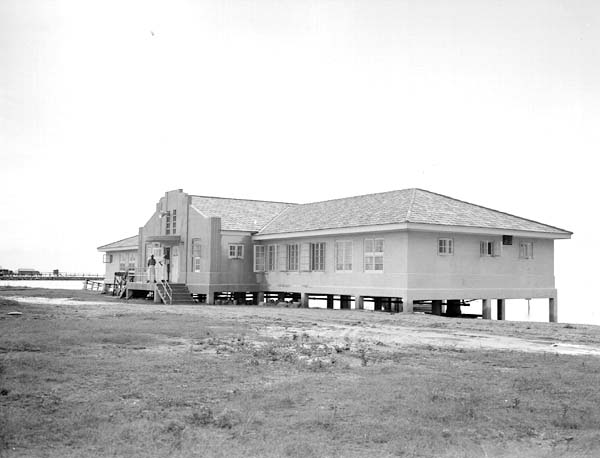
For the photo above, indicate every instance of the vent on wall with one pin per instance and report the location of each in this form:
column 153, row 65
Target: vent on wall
column 507, row 239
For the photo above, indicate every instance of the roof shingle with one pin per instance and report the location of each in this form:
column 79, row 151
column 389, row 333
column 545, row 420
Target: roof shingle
column 128, row 243
column 403, row 206
column 239, row 214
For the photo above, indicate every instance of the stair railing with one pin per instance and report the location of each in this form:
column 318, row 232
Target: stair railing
column 169, row 291
column 165, row 292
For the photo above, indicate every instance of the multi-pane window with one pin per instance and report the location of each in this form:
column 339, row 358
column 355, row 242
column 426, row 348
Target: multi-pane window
column 374, row 255
column 271, row 258
column 236, row 251
column 343, row 255
column 171, row 222
column 490, row 248
column 132, row 260
column 123, row 258
column 292, row 257
column 445, row 246
column 107, row 258
column 196, row 254
column 526, row 250
column 317, row 256
column 149, row 248
column 259, row 258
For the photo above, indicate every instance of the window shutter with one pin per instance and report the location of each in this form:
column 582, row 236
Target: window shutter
column 282, row 257
column 482, row 248
column 259, row 258
column 497, row 248
column 305, row 257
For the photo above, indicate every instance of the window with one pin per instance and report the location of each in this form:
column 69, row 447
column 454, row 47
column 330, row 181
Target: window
column 271, row 258
column 123, row 258
column 317, row 256
column 107, row 258
column 374, row 255
column 305, row 257
column 292, row 257
column 445, row 246
column 148, row 250
column 490, row 248
column 259, row 258
column 343, row 255
column 507, row 240
column 526, row 250
column 168, row 223
column 196, row 255
column 236, row 251
column 174, row 223
column 132, row 261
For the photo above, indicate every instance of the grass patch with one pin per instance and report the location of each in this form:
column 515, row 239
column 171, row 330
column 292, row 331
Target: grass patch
column 207, row 382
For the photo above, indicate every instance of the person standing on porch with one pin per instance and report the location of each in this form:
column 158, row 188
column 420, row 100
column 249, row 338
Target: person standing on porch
column 152, row 269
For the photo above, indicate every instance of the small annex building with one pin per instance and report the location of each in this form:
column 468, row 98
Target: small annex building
column 397, row 250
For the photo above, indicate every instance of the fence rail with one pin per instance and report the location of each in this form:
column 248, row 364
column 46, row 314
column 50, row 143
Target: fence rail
column 51, row 276
column 93, row 285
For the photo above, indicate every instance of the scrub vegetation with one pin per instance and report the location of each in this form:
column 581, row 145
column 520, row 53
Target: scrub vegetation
column 131, row 379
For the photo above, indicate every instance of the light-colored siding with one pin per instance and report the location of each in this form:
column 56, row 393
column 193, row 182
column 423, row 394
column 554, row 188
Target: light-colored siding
column 467, row 274
column 390, row 282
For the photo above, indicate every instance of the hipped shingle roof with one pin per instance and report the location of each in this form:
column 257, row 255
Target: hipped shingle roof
column 403, row 206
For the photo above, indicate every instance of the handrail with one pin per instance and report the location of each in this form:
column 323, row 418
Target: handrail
column 168, row 292
column 162, row 297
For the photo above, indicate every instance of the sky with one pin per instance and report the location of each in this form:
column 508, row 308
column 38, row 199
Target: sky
column 106, row 105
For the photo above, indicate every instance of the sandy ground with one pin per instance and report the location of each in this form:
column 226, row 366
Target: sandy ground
column 384, row 330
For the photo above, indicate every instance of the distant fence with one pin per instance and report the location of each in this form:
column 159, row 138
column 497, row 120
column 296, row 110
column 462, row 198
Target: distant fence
column 51, row 276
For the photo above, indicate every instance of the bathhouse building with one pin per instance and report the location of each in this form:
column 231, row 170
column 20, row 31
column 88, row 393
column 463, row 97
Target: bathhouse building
column 399, row 251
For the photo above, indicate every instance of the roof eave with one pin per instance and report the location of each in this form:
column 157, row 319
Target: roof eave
column 414, row 227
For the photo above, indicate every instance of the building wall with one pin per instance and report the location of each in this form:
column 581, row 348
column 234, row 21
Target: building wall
column 414, row 269
column 118, row 257
column 468, row 275
column 216, row 271
column 390, row 282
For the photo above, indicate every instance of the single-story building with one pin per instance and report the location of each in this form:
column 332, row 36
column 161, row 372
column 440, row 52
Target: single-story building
column 396, row 250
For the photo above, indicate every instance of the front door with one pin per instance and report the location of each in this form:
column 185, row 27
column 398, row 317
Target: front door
column 175, row 264
column 157, row 251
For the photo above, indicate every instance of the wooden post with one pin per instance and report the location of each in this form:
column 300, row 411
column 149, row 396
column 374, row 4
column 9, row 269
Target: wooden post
column 553, row 309
column 359, row 302
column 304, row 300
column 501, row 309
column 377, row 304
column 407, row 305
column 486, row 308
column 436, row 307
column 330, row 301
column 210, row 297
column 344, row 302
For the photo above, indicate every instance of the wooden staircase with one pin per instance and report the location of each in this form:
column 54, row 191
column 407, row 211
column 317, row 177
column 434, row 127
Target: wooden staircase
column 181, row 294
